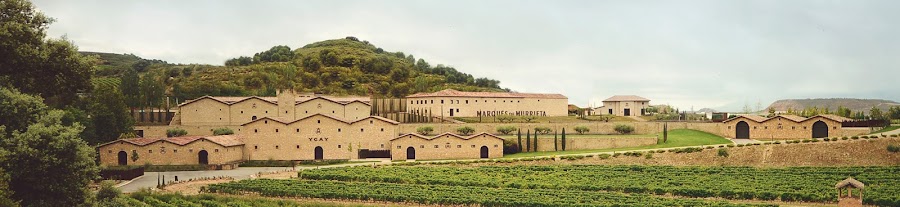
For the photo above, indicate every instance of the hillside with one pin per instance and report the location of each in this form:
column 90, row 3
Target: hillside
column 345, row 66
column 863, row 105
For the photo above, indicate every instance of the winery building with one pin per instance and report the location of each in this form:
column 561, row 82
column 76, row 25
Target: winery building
column 783, row 127
column 453, row 103
column 623, row 105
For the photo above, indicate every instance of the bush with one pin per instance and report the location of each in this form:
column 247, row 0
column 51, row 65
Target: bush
column 648, row 156
column 740, row 145
column 854, row 137
column 222, row 131
column 466, row 130
column 603, row 156
column 505, row 129
column 506, row 118
column 425, row 130
column 616, row 154
column 893, row 148
column 709, row 147
column 582, row 129
column 528, row 119
column 777, row 142
column 176, row 132
column 108, row 191
column 542, row 130
column 722, row 152
column 893, row 135
column 730, row 145
column 624, row 129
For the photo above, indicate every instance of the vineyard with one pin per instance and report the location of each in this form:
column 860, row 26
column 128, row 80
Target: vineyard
column 450, row 195
column 577, row 185
column 112, row 82
column 175, row 200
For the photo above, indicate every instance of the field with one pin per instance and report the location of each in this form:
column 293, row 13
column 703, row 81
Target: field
column 677, row 138
column 207, row 200
column 580, row 136
column 577, row 185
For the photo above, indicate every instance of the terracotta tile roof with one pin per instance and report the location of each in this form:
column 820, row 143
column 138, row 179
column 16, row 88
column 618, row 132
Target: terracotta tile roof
column 229, row 100
column 626, row 98
column 850, row 182
column 446, row 133
column 755, row 118
column 794, row 118
column 286, row 121
column 223, row 140
column 455, row 93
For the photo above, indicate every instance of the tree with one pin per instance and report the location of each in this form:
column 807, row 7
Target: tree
column 466, row 130
column 555, row 143
column 875, row 113
column 624, row 129
column 18, row 110
column 505, row 129
column 542, row 130
column 52, row 68
column 564, row 139
column 894, row 112
column 109, row 115
column 528, row 119
column 843, row 111
column 52, row 165
column 135, row 156
column 131, row 89
column 519, row 135
column 222, row 131
column 535, row 145
column 108, row 191
column 5, row 192
column 582, row 129
column 528, row 141
column 425, row 130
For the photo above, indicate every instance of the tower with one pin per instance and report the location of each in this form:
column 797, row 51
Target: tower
column 286, row 100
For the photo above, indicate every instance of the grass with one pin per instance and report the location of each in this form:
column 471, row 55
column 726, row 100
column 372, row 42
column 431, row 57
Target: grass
column 547, row 119
column 886, row 129
column 580, row 136
column 677, row 138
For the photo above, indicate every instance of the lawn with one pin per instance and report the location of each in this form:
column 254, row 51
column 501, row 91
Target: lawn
column 886, row 129
column 546, row 119
column 677, row 138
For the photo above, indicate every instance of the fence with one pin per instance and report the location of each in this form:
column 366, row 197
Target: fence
column 866, row 123
column 365, row 153
column 121, row 174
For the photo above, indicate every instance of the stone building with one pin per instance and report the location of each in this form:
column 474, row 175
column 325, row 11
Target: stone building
column 193, row 150
column 234, row 111
column 446, row 146
column 782, row 127
column 316, row 137
column 453, row 103
column 623, row 105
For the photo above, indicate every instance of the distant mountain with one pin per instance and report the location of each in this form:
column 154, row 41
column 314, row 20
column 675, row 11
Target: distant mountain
column 863, row 105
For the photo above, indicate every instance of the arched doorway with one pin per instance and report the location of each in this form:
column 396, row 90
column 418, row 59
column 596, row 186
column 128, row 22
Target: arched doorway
column 742, row 130
column 319, row 153
column 484, row 152
column 410, row 153
column 123, row 158
column 203, row 157
column 819, row 129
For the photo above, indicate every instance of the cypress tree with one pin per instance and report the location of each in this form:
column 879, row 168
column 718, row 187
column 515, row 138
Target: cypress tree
column 519, row 132
column 564, row 139
column 535, row 141
column 555, row 144
column 665, row 132
column 528, row 140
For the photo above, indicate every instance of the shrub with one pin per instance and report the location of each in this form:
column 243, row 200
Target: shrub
column 505, row 129
column 582, row 129
column 660, row 151
column 805, row 141
column 466, row 130
column 176, row 132
column 854, row 137
column 709, row 147
column 740, row 145
column 722, row 152
column 425, row 130
column 624, row 129
column 756, row 143
column 528, row 119
column 730, row 145
column 222, row 131
column 542, row 130
column 108, row 191
column 648, row 156
column 603, row 156
column 826, row 139
column 893, row 135
column 777, row 142
column 893, row 148
column 616, row 154
column 506, row 118
column 843, row 138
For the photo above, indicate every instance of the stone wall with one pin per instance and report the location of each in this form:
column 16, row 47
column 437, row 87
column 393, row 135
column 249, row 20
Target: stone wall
column 546, row 144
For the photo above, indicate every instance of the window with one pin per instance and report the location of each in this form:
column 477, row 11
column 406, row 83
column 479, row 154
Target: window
column 421, row 146
column 473, row 146
column 276, row 146
column 339, row 129
column 339, row 146
column 174, row 150
column 255, row 147
column 149, row 151
column 793, row 127
column 298, row 146
column 267, row 112
column 442, row 101
column 361, row 130
column 382, row 129
column 332, row 112
column 217, row 150
column 255, row 131
column 298, row 129
column 457, row 110
column 242, row 112
column 398, row 147
column 276, row 130
column 467, row 101
column 371, row 122
column 266, row 121
column 495, row 145
column 754, row 127
column 435, row 146
column 765, row 127
column 110, row 151
column 318, row 121
column 382, row 146
column 459, row 146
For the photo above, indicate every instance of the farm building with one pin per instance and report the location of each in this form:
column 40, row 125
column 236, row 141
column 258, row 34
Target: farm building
column 782, row 127
column 446, row 146
column 453, row 103
column 623, row 105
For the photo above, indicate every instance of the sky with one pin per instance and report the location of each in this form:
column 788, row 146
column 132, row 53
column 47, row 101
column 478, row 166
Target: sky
column 689, row 54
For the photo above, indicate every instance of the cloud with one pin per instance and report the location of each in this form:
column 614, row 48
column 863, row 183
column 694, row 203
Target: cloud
column 699, row 53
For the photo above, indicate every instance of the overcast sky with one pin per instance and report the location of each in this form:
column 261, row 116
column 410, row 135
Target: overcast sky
column 716, row 54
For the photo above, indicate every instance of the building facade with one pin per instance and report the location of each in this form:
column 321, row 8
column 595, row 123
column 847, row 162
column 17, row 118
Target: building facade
column 446, row 146
column 623, row 105
column 453, row 103
column 194, row 150
column 234, row 111
column 782, row 127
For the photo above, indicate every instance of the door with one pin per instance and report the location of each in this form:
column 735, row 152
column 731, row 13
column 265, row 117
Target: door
column 742, row 130
column 410, row 153
column 319, row 153
column 819, row 130
column 484, row 152
column 123, row 158
column 203, row 157
column 451, row 112
column 627, row 112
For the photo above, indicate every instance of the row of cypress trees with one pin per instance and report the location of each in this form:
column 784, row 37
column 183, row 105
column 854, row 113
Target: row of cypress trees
column 533, row 146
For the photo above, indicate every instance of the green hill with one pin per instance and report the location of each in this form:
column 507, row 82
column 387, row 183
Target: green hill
column 340, row 66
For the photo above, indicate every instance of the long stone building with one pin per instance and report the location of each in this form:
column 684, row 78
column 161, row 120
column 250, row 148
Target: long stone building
column 453, row 103
column 289, row 127
column 783, row 127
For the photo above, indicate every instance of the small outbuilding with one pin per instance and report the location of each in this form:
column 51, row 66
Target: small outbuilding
column 848, row 185
column 782, row 127
column 191, row 150
column 446, row 146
